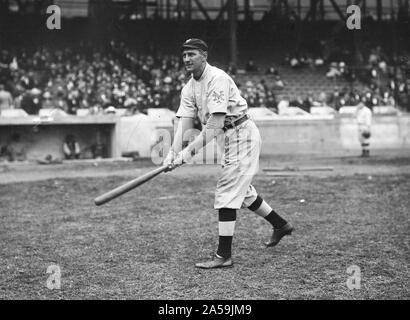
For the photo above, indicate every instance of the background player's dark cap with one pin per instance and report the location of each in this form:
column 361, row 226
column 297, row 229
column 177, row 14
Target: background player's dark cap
column 194, row 44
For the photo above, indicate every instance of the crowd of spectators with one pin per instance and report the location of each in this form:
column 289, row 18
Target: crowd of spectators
column 102, row 80
column 381, row 77
column 378, row 78
column 88, row 78
column 258, row 94
column 347, row 96
column 305, row 60
column 261, row 91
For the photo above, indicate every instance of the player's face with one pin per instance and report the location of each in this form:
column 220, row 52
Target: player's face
column 193, row 60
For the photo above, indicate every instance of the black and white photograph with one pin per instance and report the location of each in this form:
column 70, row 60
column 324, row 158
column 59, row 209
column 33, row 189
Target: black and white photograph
column 219, row 152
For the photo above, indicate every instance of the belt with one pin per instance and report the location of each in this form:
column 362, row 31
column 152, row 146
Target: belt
column 236, row 123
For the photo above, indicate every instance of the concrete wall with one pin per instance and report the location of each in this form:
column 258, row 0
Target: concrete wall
column 339, row 135
column 279, row 136
column 299, row 136
column 137, row 134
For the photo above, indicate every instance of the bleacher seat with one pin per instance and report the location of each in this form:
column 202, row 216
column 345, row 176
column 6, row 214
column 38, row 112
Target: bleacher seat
column 52, row 112
column 348, row 110
column 262, row 113
column 82, row 112
column 322, row 110
column 387, row 110
column 294, row 111
column 11, row 113
column 298, row 82
column 120, row 111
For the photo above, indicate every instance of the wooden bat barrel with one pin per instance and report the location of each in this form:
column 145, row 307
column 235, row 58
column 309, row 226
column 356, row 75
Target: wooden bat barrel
column 132, row 184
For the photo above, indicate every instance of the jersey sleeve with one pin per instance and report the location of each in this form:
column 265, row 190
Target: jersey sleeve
column 218, row 95
column 187, row 105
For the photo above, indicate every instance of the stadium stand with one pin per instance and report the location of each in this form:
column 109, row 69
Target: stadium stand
column 96, row 78
column 84, row 73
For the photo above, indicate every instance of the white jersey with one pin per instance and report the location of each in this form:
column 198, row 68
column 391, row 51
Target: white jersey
column 364, row 117
column 214, row 91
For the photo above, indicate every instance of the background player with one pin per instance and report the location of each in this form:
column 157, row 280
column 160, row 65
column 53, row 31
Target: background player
column 364, row 121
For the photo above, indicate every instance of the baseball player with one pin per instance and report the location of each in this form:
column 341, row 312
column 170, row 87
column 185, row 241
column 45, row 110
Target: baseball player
column 212, row 95
column 364, row 121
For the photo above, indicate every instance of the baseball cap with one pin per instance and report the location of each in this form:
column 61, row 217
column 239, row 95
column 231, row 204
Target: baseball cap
column 194, row 44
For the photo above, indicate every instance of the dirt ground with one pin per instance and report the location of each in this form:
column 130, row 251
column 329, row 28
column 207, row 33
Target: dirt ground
column 381, row 162
column 144, row 244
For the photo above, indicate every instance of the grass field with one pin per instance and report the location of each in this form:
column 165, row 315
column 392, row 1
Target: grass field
column 144, row 245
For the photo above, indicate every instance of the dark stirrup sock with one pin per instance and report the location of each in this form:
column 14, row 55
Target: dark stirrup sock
column 227, row 219
column 225, row 247
column 275, row 220
column 263, row 209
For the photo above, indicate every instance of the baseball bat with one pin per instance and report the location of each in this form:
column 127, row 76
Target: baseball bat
column 132, row 184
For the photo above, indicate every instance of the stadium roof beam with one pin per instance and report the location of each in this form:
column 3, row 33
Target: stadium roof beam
column 338, row 10
column 203, row 10
column 322, row 10
column 361, row 3
column 311, row 14
column 233, row 16
column 379, row 10
column 280, row 6
column 222, row 11
column 285, row 4
column 403, row 10
column 319, row 6
column 246, row 9
column 188, row 9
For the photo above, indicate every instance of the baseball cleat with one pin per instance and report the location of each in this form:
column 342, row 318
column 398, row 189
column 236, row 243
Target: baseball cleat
column 279, row 234
column 217, row 262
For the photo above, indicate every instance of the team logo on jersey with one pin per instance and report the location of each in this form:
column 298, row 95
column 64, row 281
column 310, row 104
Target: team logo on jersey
column 218, row 97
